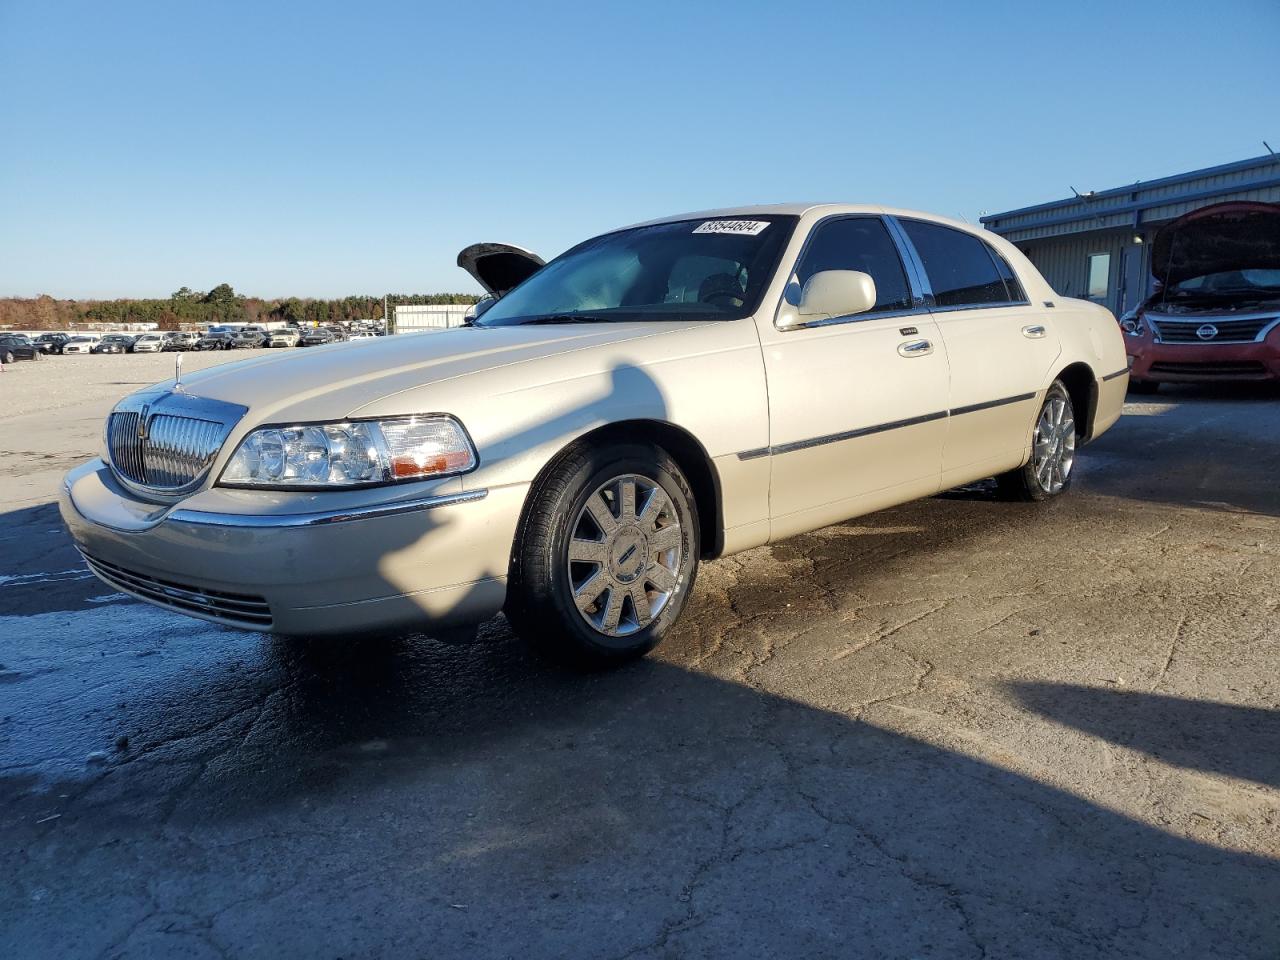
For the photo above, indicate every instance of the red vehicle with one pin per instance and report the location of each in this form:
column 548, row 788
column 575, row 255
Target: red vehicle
column 1215, row 315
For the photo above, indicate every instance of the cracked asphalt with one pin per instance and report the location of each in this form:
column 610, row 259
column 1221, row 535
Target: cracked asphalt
column 959, row 728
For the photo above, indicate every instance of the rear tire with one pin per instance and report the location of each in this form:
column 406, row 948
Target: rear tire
column 8, row 356
column 1050, row 466
column 600, row 592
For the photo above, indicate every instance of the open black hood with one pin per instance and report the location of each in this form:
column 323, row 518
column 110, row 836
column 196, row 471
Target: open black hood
column 499, row 266
column 1240, row 235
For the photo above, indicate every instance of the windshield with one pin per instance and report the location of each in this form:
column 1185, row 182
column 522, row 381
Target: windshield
column 689, row 270
column 1262, row 283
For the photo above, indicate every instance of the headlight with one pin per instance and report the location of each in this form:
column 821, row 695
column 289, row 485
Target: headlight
column 353, row 453
column 1132, row 327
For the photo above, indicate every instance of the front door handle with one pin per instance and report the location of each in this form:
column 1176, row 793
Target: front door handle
column 1034, row 332
column 915, row 348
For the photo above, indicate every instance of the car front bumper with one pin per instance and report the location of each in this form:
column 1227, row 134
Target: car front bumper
column 1203, row 363
column 433, row 561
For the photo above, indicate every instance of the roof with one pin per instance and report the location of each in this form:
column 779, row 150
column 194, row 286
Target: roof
column 800, row 209
column 1141, row 203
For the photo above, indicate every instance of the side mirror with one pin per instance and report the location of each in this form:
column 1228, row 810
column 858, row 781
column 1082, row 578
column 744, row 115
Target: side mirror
column 837, row 293
column 829, row 293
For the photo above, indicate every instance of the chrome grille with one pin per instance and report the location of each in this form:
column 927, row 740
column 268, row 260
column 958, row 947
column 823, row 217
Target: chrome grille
column 233, row 609
column 1241, row 330
column 165, row 442
column 174, row 452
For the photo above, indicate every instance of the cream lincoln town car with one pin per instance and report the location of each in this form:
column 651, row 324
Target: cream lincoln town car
column 656, row 396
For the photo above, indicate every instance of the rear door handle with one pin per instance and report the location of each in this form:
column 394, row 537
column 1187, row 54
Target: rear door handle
column 1034, row 332
column 915, row 348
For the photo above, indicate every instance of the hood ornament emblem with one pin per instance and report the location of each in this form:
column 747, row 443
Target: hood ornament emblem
column 1207, row 332
column 142, row 421
column 177, row 373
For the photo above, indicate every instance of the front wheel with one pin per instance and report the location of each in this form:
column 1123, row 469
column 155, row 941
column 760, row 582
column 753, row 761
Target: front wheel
column 607, row 554
column 1047, row 472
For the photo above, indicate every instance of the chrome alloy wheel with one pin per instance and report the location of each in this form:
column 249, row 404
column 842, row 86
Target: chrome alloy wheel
column 1054, row 446
column 625, row 551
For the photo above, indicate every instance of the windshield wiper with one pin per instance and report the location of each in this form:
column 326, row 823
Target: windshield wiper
column 566, row 318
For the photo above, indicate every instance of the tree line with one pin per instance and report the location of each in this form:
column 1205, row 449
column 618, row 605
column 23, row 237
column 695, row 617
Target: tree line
column 219, row 305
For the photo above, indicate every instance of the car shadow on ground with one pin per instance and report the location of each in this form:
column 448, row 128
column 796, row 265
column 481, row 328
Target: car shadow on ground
column 1220, row 738
column 326, row 780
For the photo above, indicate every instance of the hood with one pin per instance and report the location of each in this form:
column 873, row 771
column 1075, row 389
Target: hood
column 1216, row 239
column 499, row 267
column 334, row 381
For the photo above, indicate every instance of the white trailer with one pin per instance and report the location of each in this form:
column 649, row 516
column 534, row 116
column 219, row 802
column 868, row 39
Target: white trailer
column 412, row 318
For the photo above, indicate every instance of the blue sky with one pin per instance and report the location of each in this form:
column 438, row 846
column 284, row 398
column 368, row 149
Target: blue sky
column 319, row 149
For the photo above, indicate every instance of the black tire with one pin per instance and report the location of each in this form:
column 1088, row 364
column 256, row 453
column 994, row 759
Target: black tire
column 1144, row 386
column 540, row 597
column 8, row 356
column 1025, row 483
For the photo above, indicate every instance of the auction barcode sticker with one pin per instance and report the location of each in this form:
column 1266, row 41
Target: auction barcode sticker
column 746, row 227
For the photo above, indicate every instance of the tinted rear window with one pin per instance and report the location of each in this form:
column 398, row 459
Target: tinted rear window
column 961, row 270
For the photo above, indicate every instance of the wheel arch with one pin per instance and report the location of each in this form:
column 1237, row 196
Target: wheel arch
column 1082, row 388
column 688, row 452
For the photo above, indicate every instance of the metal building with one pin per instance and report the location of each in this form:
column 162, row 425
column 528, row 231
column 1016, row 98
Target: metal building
column 1096, row 245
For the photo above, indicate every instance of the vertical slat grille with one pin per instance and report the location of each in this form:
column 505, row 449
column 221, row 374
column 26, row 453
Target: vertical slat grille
column 174, row 452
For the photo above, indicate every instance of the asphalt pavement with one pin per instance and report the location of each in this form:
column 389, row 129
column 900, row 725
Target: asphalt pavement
column 958, row 728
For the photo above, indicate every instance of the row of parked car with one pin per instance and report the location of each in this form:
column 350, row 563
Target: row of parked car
column 19, row 346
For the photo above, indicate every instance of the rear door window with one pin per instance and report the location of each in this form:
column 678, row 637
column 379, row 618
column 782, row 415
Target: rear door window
column 960, row 267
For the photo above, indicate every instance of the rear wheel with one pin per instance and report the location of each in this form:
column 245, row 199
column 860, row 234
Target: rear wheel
column 8, row 356
column 1048, row 471
column 607, row 555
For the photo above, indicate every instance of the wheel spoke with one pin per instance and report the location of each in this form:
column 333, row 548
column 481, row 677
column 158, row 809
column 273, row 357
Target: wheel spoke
column 612, row 610
column 663, row 580
column 640, row 603
column 588, row 551
column 601, row 514
column 627, row 500
column 653, row 507
column 1044, row 473
column 665, row 539
column 590, row 591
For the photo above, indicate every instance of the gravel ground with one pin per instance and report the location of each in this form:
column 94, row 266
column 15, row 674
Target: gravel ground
column 958, row 728
column 52, row 409
column 57, row 383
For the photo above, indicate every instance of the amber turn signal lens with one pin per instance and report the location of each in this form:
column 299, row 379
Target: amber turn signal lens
column 404, row 466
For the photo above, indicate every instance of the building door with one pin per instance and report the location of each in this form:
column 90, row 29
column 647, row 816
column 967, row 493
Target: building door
column 1133, row 279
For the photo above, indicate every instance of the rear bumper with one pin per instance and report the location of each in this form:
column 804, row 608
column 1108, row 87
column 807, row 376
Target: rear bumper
column 432, row 562
column 1203, row 363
